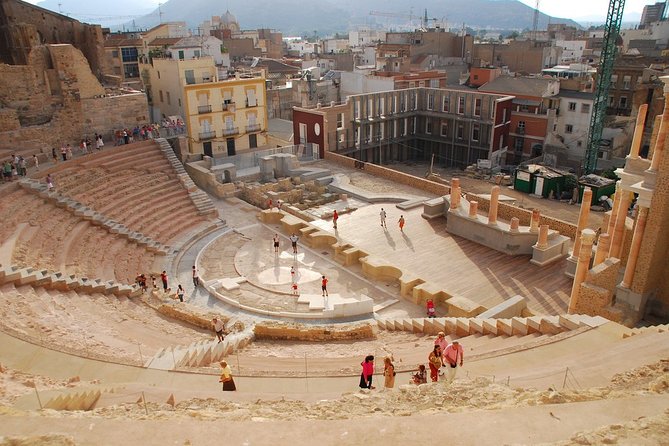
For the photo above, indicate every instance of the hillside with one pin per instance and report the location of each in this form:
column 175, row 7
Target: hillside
column 327, row 16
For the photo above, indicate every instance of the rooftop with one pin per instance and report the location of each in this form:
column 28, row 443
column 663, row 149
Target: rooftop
column 526, row 86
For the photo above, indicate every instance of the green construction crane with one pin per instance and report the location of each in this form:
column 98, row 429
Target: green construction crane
column 614, row 18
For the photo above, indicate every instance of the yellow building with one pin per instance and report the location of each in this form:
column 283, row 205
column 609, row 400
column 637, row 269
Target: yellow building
column 226, row 117
column 165, row 79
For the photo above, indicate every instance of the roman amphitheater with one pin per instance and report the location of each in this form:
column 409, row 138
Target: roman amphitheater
column 552, row 358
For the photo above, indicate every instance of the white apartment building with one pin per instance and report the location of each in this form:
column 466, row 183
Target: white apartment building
column 573, row 121
column 572, row 50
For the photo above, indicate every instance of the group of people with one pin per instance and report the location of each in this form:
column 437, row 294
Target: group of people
column 16, row 166
column 444, row 360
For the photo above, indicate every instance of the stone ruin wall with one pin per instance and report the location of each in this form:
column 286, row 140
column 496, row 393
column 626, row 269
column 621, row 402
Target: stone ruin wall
column 26, row 25
column 652, row 269
column 596, row 292
column 57, row 100
column 286, row 331
column 390, row 174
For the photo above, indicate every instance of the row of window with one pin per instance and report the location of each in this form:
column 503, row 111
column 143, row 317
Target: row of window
column 409, row 102
column 406, row 126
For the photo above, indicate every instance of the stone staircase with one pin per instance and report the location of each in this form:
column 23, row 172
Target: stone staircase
column 199, row 198
column 62, row 282
column 515, row 326
column 649, row 329
column 199, row 354
column 74, row 401
column 95, row 218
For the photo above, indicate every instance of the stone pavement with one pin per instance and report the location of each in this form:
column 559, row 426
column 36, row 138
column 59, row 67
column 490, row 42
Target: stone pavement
column 456, row 265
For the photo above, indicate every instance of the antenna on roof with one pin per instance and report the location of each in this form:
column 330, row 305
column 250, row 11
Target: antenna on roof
column 160, row 12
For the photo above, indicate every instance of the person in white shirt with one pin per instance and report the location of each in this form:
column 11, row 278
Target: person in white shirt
column 382, row 214
column 218, row 328
column 293, row 241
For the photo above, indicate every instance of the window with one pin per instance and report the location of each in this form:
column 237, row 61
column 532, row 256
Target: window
column 461, row 131
column 356, row 109
column 158, row 74
column 434, row 83
column 612, row 101
column 114, row 54
column 627, row 82
column 476, row 132
column 131, row 70
column 340, row 120
column 461, row 105
column 446, row 106
column 569, row 128
column 190, row 77
column 412, row 84
column 428, row 127
column 168, row 98
column 197, row 53
column 518, row 144
column 370, row 107
column 585, row 108
column 179, row 102
column 572, row 106
column 253, row 141
column 430, row 101
column 382, row 106
column 161, row 95
column 623, row 102
column 477, row 107
column 521, row 127
column 614, row 80
column 129, row 54
column 444, row 129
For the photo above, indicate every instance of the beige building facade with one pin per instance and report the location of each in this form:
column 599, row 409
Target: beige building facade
column 228, row 117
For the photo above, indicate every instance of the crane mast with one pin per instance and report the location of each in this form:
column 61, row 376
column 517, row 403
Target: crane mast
column 614, row 18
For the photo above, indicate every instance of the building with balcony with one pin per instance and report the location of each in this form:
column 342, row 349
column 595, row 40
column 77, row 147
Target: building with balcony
column 122, row 52
column 458, row 127
column 164, row 80
column 226, row 117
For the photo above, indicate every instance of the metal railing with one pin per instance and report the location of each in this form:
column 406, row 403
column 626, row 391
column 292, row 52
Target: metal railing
column 228, row 106
column 253, row 128
column 230, row 131
column 204, row 109
column 207, row 135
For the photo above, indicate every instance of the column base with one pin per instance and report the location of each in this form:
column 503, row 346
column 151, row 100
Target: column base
column 570, row 269
column 636, row 301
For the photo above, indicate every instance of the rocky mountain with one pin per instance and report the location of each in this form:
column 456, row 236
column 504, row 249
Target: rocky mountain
column 299, row 17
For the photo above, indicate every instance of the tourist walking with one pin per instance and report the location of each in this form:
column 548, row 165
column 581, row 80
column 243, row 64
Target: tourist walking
column 434, row 360
column 382, row 214
column 453, row 358
column 335, row 217
column 163, row 278
column 270, row 205
column 388, row 373
column 401, row 223
column 226, row 378
column 324, row 286
column 180, row 293
column 275, row 242
column 218, row 326
column 35, row 162
column 7, row 171
column 294, row 287
column 63, row 152
column 54, row 155
column 293, row 241
column 196, row 278
column 49, row 182
column 292, row 275
column 367, row 373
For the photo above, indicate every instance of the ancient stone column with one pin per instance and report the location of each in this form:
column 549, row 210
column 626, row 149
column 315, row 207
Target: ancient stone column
column 603, row 246
column 515, row 223
column 664, row 126
column 542, row 242
column 534, row 223
column 582, row 267
column 634, row 249
column 455, row 193
column 494, row 200
column 638, row 131
column 473, row 208
column 582, row 220
column 614, row 210
column 619, row 229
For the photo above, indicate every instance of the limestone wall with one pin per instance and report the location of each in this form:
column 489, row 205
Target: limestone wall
column 103, row 115
column 390, row 174
column 596, row 292
column 75, row 71
column 287, row 331
column 181, row 313
column 507, row 212
column 206, row 180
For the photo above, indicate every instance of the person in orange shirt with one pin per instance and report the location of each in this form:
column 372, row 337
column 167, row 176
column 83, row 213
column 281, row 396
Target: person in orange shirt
column 324, row 286
column 335, row 217
column 401, row 223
